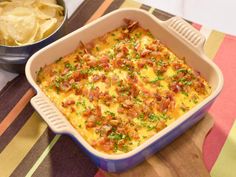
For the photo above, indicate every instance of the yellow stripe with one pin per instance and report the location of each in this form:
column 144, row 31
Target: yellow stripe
column 21, row 144
column 213, row 43
column 151, row 10
column 226, row 161
column 128, row 3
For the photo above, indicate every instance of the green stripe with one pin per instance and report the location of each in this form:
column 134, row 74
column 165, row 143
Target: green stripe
column 43, row 155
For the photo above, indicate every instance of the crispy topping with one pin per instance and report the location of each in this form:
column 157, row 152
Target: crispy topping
column 122, row 88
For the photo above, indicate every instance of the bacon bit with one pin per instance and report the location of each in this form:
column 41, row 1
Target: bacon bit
column 84, row 47
column 160, row 69
column 104, row 62
column 170, row 95
column 122, row 98
column 134, row 91
column 78, row 57
column 65, row 86
column 132, row 78
column 102, row 140
column 127, row 104
column 132, row 114
column 87, row 113
column 129, row 64
column 137, row 46
column 158, row 97
column 127, row 21
column 120, row 55
column 146, row 110
column 149, row 102
column 119, row 63
column 145, row 52
column 146, row 93
column 134, row 135
column 92, row 63
column 78, row 76
column 177, row 66
column 141, row 63
column 105, row 129
column 149, row 62
column 114, row 122
column 163, row 69
column 152, row 47
column 176, row 87
column 156, row 54
column 160, row 125
column 108, row 146
column 121, row 129
column 94, row 94
column 121, row 142
column 98, row 112
column 125, row 50
column 199, row 87
column 104, row 59
column 121, row 110
column 156, row 41
column 96, row 78
column 84, row 91
column 124, row 34
column 68, row 103
column 73, row 109
column 65, row 71
column 167, row 102
column 71, row 81
column 131, row 25
column 91, row 121
column 106, row 98
column 103, row 77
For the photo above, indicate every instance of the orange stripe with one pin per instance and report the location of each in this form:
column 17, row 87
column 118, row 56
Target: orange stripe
column 100, row 11
column 12, row 115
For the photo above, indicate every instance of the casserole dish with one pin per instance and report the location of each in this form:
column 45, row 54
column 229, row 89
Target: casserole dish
column 14, row 58
column 176, row 34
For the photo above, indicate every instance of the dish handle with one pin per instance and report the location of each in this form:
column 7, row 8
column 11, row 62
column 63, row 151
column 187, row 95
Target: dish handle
column 185, row 31
column 50, row 114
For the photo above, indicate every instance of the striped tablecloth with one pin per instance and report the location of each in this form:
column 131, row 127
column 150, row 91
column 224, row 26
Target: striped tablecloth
column 29, row 148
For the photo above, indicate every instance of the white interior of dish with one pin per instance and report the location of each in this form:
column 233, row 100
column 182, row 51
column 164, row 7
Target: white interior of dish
column 176, row 34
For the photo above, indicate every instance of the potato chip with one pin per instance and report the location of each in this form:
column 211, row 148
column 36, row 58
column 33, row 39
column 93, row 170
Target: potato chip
column 32, row 39
column 28, row 21
column 47, row 27
column 19, row 24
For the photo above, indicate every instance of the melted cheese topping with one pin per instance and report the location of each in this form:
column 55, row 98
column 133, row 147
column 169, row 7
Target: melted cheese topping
column 122, row 88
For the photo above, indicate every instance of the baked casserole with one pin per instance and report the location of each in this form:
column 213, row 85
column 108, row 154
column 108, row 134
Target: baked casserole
column 122, row 88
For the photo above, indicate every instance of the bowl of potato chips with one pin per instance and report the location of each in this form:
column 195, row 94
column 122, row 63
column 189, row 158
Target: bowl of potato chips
column 26, row 26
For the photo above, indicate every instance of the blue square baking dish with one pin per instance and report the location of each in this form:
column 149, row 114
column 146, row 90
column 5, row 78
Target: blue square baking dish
column 179, row 36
